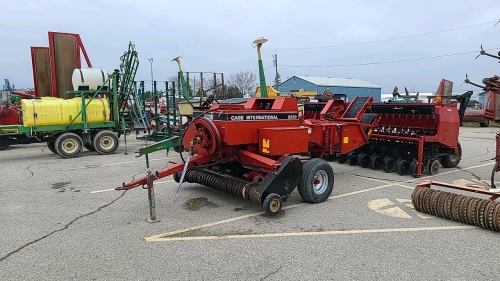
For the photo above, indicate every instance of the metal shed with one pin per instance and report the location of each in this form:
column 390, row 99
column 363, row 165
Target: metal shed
column 350, row 87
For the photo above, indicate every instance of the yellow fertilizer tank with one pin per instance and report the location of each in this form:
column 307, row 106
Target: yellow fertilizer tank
column 48, row 111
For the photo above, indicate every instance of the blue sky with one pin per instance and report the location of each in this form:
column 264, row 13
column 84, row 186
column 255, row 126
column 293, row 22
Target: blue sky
column 216, row 36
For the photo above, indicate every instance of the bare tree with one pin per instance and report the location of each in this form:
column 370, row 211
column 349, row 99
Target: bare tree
column 245, row 81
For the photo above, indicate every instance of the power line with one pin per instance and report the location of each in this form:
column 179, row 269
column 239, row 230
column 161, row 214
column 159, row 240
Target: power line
column 387, row 62
column 389, row 39
column 367, row 42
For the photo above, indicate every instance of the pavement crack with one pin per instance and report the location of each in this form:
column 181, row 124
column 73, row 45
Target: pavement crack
column 272, row 273
column 475, row 156
column 61, row 229
column 375, row 178
column 474, row 175
column 29, row 170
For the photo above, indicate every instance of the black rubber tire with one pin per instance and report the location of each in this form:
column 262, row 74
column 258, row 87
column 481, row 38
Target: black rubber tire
column 376, row 162
column 4, row 147
column 66, row 141
column 413, row 169
column 105, row 142
column 272, row 204
column 486, row 124
column 433, row 168
column 364, row 160
column 89, row 147
column 342, row 160
column 448, row 161
column 353, row 159
column 389, row 164
column 306, row 186
column 52, row 146
column 402, row 167
column 177, row 177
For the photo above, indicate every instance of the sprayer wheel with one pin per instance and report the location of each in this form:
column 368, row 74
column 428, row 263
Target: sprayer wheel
column 364, row 160
column 402, row 167
column 389, row 164
column 272, row 204
column 105, row 142
column 68, row 145
column 52, row 147
column 317, row 181
column 452, row 160
column 376, row 162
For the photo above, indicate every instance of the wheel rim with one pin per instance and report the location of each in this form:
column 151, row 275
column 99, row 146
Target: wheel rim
column 320, row 182
column 434, row 168
column 70, row 146
column 107, row 142
column 274, row 205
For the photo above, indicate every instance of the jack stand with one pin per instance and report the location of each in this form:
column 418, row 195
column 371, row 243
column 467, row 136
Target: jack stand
column 124, row 136
column 151, row 195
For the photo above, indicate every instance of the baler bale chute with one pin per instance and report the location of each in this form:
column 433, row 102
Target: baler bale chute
column 264, row 149
column 482, row 212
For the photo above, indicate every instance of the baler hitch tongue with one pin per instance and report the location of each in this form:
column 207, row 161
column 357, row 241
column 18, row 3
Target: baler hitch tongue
column 482, row 212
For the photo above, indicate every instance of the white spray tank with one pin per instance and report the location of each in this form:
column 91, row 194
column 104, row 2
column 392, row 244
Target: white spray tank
column 90, row 77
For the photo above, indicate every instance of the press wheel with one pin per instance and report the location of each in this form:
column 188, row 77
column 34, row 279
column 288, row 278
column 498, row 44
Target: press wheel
column 433, row 167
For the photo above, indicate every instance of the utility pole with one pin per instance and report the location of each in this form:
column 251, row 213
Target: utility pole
column 275, row 64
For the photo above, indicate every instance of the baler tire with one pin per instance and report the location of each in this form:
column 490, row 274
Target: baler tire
column 376, row 162
column 388, row 164
column 52, row 147
column 307, row 189
column 364, row 160
column 109, row 137
column 62, row 141
column 402, row 167
column 448, row 162
column 272, row 204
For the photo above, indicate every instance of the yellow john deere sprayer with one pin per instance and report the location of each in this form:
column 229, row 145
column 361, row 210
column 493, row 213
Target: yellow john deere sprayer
column 94, row 118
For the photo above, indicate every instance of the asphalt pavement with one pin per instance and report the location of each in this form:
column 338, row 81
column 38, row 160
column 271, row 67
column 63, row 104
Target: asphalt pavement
column 61, row 219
